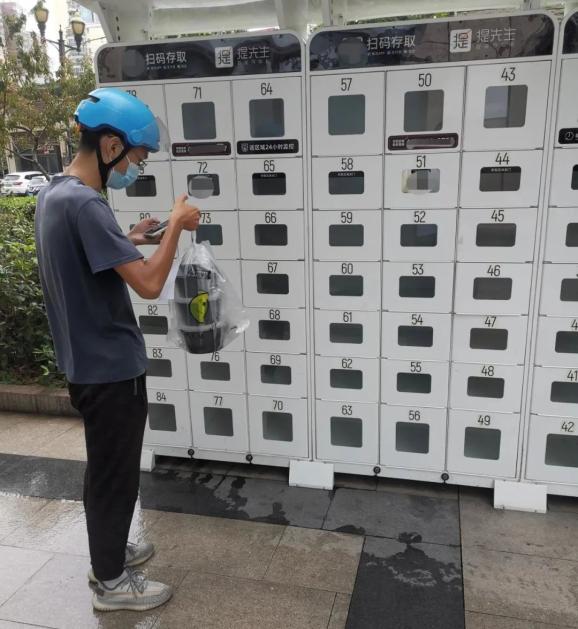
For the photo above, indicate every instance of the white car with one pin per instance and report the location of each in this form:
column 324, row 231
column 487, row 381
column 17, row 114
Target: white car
column 18, row 183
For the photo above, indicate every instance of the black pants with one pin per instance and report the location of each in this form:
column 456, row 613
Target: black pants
column 114, row 422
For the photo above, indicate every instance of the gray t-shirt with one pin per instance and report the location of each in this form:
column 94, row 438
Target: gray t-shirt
column 78, row 243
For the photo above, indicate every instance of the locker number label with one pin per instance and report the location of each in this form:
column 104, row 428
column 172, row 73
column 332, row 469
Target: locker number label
column 416, row 319
column 488, row 370
column 484, row 420
column 161, row 396
column 414, row 415
column 345, row 84
column 490, row 321
column 568, row 427
column 157, row 352
column 509, row 73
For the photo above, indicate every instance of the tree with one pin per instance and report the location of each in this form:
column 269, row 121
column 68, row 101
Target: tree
column 36, row 106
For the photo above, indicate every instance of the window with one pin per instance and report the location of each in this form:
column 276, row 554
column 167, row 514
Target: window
column 346, row 235
column 349, row 182
column 144, row 186
column 199, row 121
column 500, row 178
column 271, row 235
column 505, row 106
column 273, row 283
column 420, row 180
column 346, row 114
column 496, row 235
column 418, row 235
column 346, row 285
column 269, row 184
column 423, row 111
column 267, row 118
column 346, row 333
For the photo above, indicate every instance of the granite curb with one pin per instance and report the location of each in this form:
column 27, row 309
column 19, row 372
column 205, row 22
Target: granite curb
column 36, row 399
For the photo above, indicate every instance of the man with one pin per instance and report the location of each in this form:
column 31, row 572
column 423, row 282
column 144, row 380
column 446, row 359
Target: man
column 84, row 262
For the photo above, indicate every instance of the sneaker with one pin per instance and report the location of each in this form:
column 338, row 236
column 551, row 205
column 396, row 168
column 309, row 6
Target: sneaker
column 135, row 555
column 134, row 592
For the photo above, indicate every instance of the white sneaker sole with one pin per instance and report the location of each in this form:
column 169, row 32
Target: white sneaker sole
column 130, row 564
column 134, row 605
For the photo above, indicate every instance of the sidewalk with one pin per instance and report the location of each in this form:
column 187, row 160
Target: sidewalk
column 244, row 550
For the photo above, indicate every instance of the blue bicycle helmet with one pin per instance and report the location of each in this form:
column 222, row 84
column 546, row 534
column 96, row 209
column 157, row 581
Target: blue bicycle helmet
column 122, row 113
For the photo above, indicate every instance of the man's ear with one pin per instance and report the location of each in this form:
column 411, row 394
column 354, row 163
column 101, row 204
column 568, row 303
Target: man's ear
column 110, row 147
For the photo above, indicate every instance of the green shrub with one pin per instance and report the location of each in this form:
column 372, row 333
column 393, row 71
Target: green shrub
column 26, row 351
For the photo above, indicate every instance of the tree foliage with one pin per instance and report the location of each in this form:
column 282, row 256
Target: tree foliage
column 36, row 105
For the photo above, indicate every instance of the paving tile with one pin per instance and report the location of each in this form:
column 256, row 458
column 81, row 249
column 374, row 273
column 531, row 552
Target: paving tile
column 552, row 534
column 30, row 433
column 407, row 585
column 206, row 601
column 417, row 488
column 61, row 527
column 9, row 420
column 487, row 621
column 339, row 612
column 46, row 478
column 17, row 565
column 7, row 624
column 316, row 559
column 531, row 588
column 17, row 510
column 68, row 445
column 216, row 545
column 386, row 514
column 58, row 596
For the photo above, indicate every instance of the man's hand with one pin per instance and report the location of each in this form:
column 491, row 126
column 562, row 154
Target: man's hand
column 136, row 234
column 184, row 215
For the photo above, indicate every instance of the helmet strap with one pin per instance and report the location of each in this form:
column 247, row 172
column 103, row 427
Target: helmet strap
column 104, row 169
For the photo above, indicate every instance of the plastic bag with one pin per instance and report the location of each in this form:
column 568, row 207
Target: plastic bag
column 205, row 311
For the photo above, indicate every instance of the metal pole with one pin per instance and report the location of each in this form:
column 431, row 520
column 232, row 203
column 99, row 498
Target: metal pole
column 61, row 50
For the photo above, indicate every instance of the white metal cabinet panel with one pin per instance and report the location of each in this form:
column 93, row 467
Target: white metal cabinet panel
column 419, row 235
column 222, row 372
column 414, row 382
column 489, row 339
column 564, row 183
column 278, row 426
column 498, row 235
column 347, row 235
column 277, row 330
column 346, row 285
column 496, row 288
column 152, row 191
column 416, row 335
column 168, row 420
column 501, row 179
column 555, row 391
column 566, row 113
column 421, row 181
column 506, row 105
column 557, row 344
column 186, row 173
column 219, row 421
column 417, row 287
column 277, row 284
column 277, row 375
column 270, row 183
column 153, row 321
column 347, row 432
column 166, row 368
column 413, row 437
column 221, row 231
column 559, row 290
column 347, row 113
column 486, row 387
column 346, row 378
column 272, row 235
column 346, row 333
column 561, row 235
column 483, row 444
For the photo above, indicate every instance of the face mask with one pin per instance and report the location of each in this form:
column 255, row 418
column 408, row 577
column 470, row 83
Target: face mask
column 117, row 180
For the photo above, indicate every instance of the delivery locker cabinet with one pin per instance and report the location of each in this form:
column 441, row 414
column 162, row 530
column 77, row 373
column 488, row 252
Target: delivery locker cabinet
column 278, row 426
column 500, row 235
column 232, row 271
column 422, row 181
column 483, row 443
column 486, row 387
column 414, row 382
column 557, row 344
column 564, row 181
column 347, row 235
column 506, row 105
column 347, row 112
column 219, row 421
column 276, row 330
column 151, row 192
column 168, row 419
column 277, row 375
column 270, row 183
column 274, row 283
column 347, row 333
column 347, row 431
column 346, row 285
column 555, row 391
column 493, row 179
column 223, row 372
column 272, row 235
column 346, row 378
column 566, row 118
column 127, row 220
column 492, row 287
column 153, row 321
column 350, row 182
column 489, row 339
column 559, row 290
column 418, row 286
column 193, row 174
column 416, row 335
column 419, row 235
column 552, row 450
column 153, row 96
column 200, row 119
column 267, row 113
column 561, row 235
column 413, row 437
column 424, row 109
column 166, row 368
column 221, row 231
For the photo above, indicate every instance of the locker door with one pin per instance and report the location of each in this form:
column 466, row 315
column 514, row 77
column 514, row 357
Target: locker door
column 268, row 183
column 221, row 231
column 276, row 284
column 567, row 120
column 561, row 235
column 506, row 105
column 424, row 109
column 222, row 372
column 168, row 420
column 152, row 191
column 564, row 186
column 416, row 335
column 346, row 285
column 349, row 379
column 347, row 114
column 559, row 290
column 219, row 421
column 346, row 333
column 268, row 113
column 166, row 368
column 153, row 321
column 200, row 119
column 552, row 450
column 272, row 234
column 277, row 375
column 555, row 391
column 187, row 174
column 347, row 234
column 557, row 342
column 276, row 330
column 414, row 382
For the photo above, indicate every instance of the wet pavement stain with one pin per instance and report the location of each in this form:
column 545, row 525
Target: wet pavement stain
column 406, row 584
column 349, row 528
